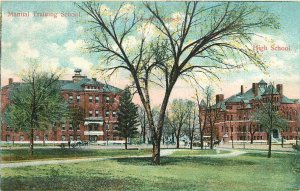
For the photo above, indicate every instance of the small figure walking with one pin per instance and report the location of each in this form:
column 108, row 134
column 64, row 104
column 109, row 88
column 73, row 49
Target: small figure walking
column 69, row 143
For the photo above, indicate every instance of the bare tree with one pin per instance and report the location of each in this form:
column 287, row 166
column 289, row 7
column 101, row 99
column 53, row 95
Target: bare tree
column 143, row 123
column 268, row 116
column 200, row 40
column 253, row 127
column 180, row 111
column 190, row 129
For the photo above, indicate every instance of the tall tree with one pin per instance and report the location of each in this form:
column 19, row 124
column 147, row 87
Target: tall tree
column 180, row 111
column 76, row 116
column 202, row 116
column 190, row 127
column 36, row 102
column 143, row 123
column 269, row 117
column 199, row 39
column 128, row 118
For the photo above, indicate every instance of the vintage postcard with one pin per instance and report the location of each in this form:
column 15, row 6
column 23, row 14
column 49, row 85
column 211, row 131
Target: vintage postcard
column 150, row 95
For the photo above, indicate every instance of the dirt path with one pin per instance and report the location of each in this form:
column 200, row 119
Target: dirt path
column 164, row 152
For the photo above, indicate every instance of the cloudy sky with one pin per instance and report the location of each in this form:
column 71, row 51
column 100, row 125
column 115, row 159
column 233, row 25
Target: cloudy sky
column 56, row 43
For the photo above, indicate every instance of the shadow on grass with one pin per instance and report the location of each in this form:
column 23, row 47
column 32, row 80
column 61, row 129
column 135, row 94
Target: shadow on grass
column 180, row 160
column 74, row 183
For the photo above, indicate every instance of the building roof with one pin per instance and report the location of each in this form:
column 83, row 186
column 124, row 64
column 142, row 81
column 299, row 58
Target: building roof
column 249, row 95
column 270, row 90
column 80, row 85
column 262, row 82
column 69, row 85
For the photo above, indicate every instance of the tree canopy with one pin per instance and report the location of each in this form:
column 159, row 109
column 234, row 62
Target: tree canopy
column 158, row 46
column 128, row 118
column 36, row 103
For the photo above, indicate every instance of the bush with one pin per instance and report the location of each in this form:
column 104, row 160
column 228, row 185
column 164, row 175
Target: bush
column 296, row 147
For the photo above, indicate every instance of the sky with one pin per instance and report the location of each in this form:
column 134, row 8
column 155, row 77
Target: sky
column 57, row 42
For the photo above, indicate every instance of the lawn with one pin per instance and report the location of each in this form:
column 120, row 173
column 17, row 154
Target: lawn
column 17, row 155
column 247, row 172
column 184, row 152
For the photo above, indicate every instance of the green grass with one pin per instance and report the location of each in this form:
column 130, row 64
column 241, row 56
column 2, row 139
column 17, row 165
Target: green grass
column 247, row 172
column 17, row 155
column 185, row 152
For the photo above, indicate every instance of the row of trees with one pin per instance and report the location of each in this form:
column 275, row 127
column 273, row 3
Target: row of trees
column 157, row 51
column 190, row 119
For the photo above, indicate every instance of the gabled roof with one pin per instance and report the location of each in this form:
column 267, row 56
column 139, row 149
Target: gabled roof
column 262, row 82
column 202, row 103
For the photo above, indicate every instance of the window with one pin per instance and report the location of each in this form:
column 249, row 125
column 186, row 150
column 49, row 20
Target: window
column 37, row 138
column 107, row 113
column 63, row 137
column 115, row 127
column 78, row 127
column 70, row 98
column 97, row 99
column 78, row 138
column 90, row 99
column 114, row 114
column 63, row 126
column 96, row 113
column 71, row 127
column 46, row 137
column 107, row 126
column 90, row 113
column 21, row 138
column 78, row 98
column 107, row 99
column 7, row 138
column 71, row 138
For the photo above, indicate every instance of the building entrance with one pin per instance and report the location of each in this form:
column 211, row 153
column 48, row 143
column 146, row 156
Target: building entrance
column 93, row 138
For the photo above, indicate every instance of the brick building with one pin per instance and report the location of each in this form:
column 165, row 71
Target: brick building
column 97, row 101
column 234, row 115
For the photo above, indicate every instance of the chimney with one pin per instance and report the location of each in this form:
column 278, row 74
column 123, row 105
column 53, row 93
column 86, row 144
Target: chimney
column 219, row 98
column 255, row 89
column 242, row 89
column 279, row 89
column 10, row 80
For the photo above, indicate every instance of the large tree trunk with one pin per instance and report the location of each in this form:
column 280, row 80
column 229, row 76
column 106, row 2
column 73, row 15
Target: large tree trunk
column 156, row 152
column 211, row 138
column 177, row 141
column 201, row 139
column 125, row 143
column 13, row 139
column 31, row 143
column 44, row 138
column 251, row 137
column 173, row 138
column 270, row 144
column 191, row 144
column 281, row 141
column 144, row 135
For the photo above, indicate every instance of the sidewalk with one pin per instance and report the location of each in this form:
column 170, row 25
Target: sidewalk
column 258, row 147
